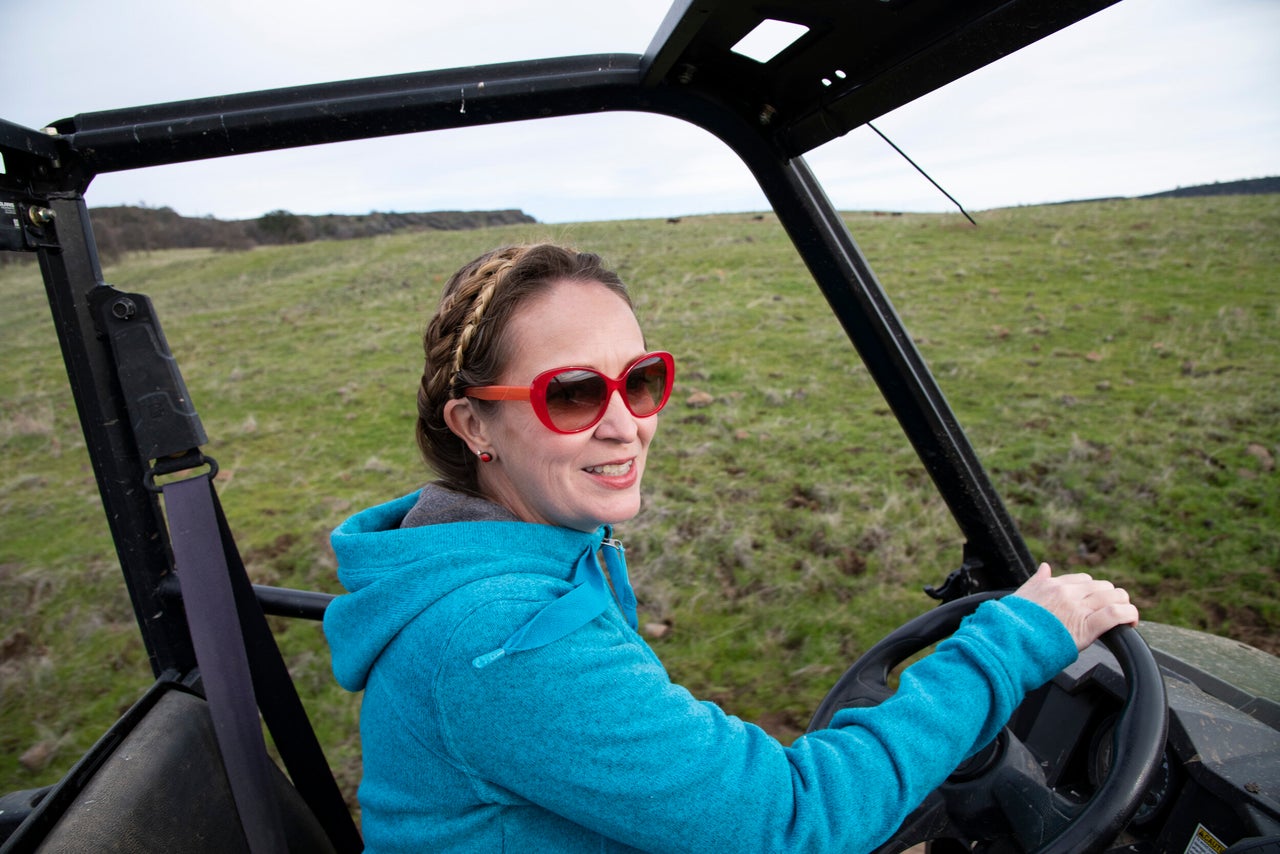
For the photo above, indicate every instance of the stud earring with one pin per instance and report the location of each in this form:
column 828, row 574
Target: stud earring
column 485, row 456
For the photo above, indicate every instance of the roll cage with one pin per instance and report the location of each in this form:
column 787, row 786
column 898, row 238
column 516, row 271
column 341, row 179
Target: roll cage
column 856, row 62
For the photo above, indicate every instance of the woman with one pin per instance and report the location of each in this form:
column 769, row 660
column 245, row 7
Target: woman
column 510, row 704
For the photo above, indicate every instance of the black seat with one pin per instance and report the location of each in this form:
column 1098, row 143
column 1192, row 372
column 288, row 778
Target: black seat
column 155, row 784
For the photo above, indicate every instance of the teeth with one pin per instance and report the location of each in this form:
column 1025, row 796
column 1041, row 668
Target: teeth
column 611, row 471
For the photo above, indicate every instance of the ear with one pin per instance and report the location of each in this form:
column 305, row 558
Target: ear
column 464, row 420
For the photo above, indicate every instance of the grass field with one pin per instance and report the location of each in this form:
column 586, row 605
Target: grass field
column 1115, row 364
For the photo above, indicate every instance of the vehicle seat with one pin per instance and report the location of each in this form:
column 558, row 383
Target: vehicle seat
column 160, row 789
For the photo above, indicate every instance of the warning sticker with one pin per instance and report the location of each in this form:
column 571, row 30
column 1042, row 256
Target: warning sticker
column 1205, row 842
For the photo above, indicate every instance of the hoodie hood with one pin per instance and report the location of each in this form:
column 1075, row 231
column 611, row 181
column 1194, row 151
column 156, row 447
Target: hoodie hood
column 394, row 573
column 437, row 505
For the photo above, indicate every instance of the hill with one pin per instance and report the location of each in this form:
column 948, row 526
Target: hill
column 1250, row 187
column 128, row 229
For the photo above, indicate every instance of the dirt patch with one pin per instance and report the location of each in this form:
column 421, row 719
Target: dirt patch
column 1240, row 622
column 15, row 645
column 1244, row 624
column 784, row 726
column 280, row 546
column 1093, row 548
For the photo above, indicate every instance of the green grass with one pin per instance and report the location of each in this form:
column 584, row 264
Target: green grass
column 1115, row 364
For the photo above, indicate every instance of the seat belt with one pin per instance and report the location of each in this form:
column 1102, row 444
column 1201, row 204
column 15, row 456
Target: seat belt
column 243, row 672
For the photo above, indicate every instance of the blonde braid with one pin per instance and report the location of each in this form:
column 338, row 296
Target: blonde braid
column 491, row 274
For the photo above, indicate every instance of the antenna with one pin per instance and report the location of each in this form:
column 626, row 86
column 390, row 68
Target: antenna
column 922, row 172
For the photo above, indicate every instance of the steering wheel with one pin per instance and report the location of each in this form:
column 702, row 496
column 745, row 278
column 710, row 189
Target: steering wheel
column 1001, row 791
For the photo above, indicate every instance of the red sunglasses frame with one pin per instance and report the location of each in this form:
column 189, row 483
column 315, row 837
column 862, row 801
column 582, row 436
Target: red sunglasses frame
column 536, row 392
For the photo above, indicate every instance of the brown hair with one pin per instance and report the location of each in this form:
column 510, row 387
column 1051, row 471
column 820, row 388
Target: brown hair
column 466, row 345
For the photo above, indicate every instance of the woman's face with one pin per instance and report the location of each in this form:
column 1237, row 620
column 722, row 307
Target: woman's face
column 577, row 480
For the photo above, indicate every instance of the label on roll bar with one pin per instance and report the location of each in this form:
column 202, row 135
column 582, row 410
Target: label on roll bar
column 10, row 226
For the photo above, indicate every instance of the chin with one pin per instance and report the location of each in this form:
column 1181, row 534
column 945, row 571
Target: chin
column 618, row 512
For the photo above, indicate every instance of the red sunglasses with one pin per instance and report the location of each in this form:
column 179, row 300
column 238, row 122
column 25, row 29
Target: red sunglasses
column 570, row 400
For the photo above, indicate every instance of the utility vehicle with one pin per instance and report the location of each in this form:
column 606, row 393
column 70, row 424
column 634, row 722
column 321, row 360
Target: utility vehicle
column 1163, row 748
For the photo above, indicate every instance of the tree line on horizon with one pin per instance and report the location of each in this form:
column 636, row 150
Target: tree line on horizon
column 138, row 228
column 128, row 228
column 121, row 229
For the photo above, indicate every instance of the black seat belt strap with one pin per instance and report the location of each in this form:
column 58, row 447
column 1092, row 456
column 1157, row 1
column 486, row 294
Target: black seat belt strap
column 212, row 617
column 282, row 709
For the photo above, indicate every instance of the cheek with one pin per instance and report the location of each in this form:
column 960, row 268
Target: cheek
column 648, row 429
column 537, row 451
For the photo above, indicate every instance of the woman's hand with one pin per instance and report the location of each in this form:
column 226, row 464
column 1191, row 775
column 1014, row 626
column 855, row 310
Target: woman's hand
column 1086, row 606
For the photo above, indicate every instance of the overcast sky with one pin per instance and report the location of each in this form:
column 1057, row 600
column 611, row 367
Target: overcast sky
column 1142, row 97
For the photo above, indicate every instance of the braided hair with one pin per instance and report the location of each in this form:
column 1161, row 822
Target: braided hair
column 465, row 343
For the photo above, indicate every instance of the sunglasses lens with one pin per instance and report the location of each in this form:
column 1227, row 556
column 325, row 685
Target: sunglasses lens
column 575, row 399
column 647, row 386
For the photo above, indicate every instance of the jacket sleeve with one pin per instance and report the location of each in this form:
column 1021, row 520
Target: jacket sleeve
column 591, row 728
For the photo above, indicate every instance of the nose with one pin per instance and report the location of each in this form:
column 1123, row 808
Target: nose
column 618, row 424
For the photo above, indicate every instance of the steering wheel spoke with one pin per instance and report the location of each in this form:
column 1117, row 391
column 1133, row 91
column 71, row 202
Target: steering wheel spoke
column 1033, row 812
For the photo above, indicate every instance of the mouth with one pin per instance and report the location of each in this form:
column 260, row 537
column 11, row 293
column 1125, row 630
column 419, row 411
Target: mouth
column 611, row 469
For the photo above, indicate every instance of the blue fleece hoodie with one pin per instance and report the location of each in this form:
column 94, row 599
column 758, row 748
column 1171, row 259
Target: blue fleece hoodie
column 582, row 743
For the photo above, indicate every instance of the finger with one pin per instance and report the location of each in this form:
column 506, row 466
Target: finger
column 1109, row 595
column 1117, row 614
column 1101, row 590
